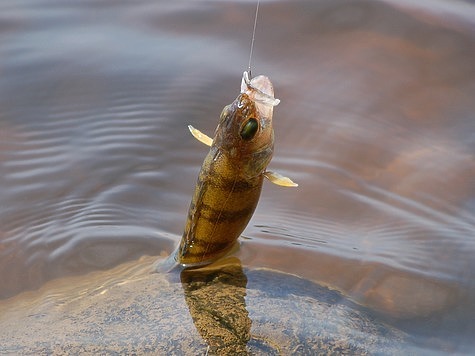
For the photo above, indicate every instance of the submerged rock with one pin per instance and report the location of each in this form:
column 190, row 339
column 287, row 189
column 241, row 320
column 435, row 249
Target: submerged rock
column 222, row 309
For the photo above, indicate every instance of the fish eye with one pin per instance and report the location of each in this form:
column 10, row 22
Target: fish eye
column 249, row 129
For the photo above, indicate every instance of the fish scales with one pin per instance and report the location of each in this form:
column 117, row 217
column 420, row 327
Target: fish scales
column 218, row 212
column 230, row 180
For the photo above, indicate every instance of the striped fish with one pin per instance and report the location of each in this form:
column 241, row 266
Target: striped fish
column 230, row 181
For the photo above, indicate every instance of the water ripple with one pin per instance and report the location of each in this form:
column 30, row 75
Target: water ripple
column 375, row 124
column 83, row 187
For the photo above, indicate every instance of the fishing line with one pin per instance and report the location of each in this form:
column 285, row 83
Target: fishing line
column 252, row 40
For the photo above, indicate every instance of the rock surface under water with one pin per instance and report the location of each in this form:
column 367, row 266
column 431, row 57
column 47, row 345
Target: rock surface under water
column 222, row 309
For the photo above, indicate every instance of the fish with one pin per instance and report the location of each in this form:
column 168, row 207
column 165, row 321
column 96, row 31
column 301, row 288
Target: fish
column 230, row 180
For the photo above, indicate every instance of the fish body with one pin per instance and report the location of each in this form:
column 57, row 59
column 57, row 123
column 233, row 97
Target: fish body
column 231, row 177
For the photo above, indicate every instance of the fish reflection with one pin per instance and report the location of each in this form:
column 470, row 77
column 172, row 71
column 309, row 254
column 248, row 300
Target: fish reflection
column 215, row 296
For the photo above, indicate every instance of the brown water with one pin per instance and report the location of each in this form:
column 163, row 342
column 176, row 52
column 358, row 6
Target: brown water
column 376, row 124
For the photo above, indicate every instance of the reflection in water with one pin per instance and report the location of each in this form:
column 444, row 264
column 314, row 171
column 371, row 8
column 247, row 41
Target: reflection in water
column 215, row 296
column 266, row 312
column 130, row 310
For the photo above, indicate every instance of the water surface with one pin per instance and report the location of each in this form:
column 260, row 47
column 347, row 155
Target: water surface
column 376, row 124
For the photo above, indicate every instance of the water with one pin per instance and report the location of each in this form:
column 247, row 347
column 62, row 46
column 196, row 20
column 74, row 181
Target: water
column 376, row 124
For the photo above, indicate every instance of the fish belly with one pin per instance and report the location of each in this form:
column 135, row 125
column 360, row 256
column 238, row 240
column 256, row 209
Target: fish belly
column 222, row 205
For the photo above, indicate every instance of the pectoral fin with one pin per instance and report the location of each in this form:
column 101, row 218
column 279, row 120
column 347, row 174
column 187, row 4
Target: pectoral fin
column 200, row 136
column 279, row 179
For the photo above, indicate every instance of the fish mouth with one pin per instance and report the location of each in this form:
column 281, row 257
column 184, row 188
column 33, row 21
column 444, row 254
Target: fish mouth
column 261, row 92
column 259, row 89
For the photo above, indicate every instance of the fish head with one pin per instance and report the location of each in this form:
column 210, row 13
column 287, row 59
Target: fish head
column 245, row 133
